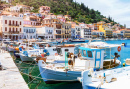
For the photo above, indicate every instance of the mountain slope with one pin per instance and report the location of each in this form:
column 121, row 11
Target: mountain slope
column 78, row 12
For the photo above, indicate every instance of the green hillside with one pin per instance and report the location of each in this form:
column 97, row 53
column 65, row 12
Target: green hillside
column 78, row 12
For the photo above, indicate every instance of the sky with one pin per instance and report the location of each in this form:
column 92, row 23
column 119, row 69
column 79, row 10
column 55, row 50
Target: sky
column 119, row 10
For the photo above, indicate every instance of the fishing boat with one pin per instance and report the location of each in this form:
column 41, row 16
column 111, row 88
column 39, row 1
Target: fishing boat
column 107, row 79
column 66, row 66
column 78, row 40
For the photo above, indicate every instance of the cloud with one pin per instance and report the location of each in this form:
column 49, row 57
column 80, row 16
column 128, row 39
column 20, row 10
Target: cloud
column 119, row 10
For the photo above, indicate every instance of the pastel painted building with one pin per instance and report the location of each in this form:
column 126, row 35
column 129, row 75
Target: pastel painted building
column 77, row 32
column 32, row 20
column 97, row 34
column 44, row 9
column 29, row 32
column 67, row 17
column 17, row 8
column 73, row 33
column 56, row 24
column 11, row 27
column 66, row 30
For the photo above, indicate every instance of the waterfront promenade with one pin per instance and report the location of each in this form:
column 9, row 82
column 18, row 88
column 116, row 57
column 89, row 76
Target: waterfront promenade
column 10, row 77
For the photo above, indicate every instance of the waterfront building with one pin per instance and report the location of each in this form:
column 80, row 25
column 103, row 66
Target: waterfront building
column 73, row 33
column 56, row 24
column 86, row 33
column 11, row 27
column 77, row 32
column 117, row 34
column 127, row 33
column 29, row 32
column 45, row 32
column 97, row 34
column 122, row 31
column 108, row 33
column 66, row 30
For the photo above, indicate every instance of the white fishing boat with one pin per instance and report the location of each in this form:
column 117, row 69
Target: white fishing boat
column 67, row 67
column 107, row 79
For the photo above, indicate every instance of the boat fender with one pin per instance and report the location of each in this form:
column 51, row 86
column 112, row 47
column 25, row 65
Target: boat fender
column 123, row 64
column 44, row 59
column 70, row 62
column 79, row 54
column 42, row 55
column 68, row 54
column 37, row 59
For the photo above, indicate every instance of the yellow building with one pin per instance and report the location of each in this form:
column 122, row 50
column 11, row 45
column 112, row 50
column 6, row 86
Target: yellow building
column 108, row 33
column 66, row 30
column 127, row 33
column 105, row 28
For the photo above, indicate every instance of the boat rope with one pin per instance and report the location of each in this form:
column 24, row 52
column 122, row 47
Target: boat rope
column 36, row 76
column 42, row 78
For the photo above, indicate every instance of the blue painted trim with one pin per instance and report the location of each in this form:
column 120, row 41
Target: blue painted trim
column 98, row 59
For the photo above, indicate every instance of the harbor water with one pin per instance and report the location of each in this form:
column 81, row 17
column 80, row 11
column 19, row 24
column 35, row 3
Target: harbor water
column 31, row 74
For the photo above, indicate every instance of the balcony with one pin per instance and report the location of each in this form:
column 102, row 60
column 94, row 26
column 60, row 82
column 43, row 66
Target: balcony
column 49, row 32
column 14, row 25
column 13, row 32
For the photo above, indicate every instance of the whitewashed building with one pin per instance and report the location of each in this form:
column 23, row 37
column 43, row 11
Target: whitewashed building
column 29, row 32
column 77, row 31
column 11, row 27
column 45, row 32
column 86, row 33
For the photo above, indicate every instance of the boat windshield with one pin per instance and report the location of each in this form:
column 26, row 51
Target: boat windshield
column 109, row 53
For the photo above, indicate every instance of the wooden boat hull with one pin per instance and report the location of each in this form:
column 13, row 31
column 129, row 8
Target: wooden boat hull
column 52, row 76
column 26, row 59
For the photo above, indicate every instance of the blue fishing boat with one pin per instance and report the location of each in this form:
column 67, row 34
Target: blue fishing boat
column 72, row 66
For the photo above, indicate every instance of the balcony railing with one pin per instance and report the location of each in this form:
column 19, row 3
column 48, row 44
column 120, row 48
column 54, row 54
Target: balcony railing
column 49, row 32
column 13, row 32
column 14, row 25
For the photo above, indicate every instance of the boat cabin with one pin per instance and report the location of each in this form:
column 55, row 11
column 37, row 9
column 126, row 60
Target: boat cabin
column 92, row 57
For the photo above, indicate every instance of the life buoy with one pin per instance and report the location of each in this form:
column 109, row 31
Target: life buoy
column 56, row 54
column 119, row 48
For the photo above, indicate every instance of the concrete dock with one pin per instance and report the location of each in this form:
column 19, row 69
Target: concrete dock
column 10, row 78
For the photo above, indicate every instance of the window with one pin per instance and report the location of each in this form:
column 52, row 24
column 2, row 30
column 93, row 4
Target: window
column 13, row 22
column 89, row 53
column 16, row 22
column 9, row 29
column 10, row 22
column 5, row 21
column 98, row 55
column 16, row 29
column 84, row 52
column 5, row 28
column 20, row 29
